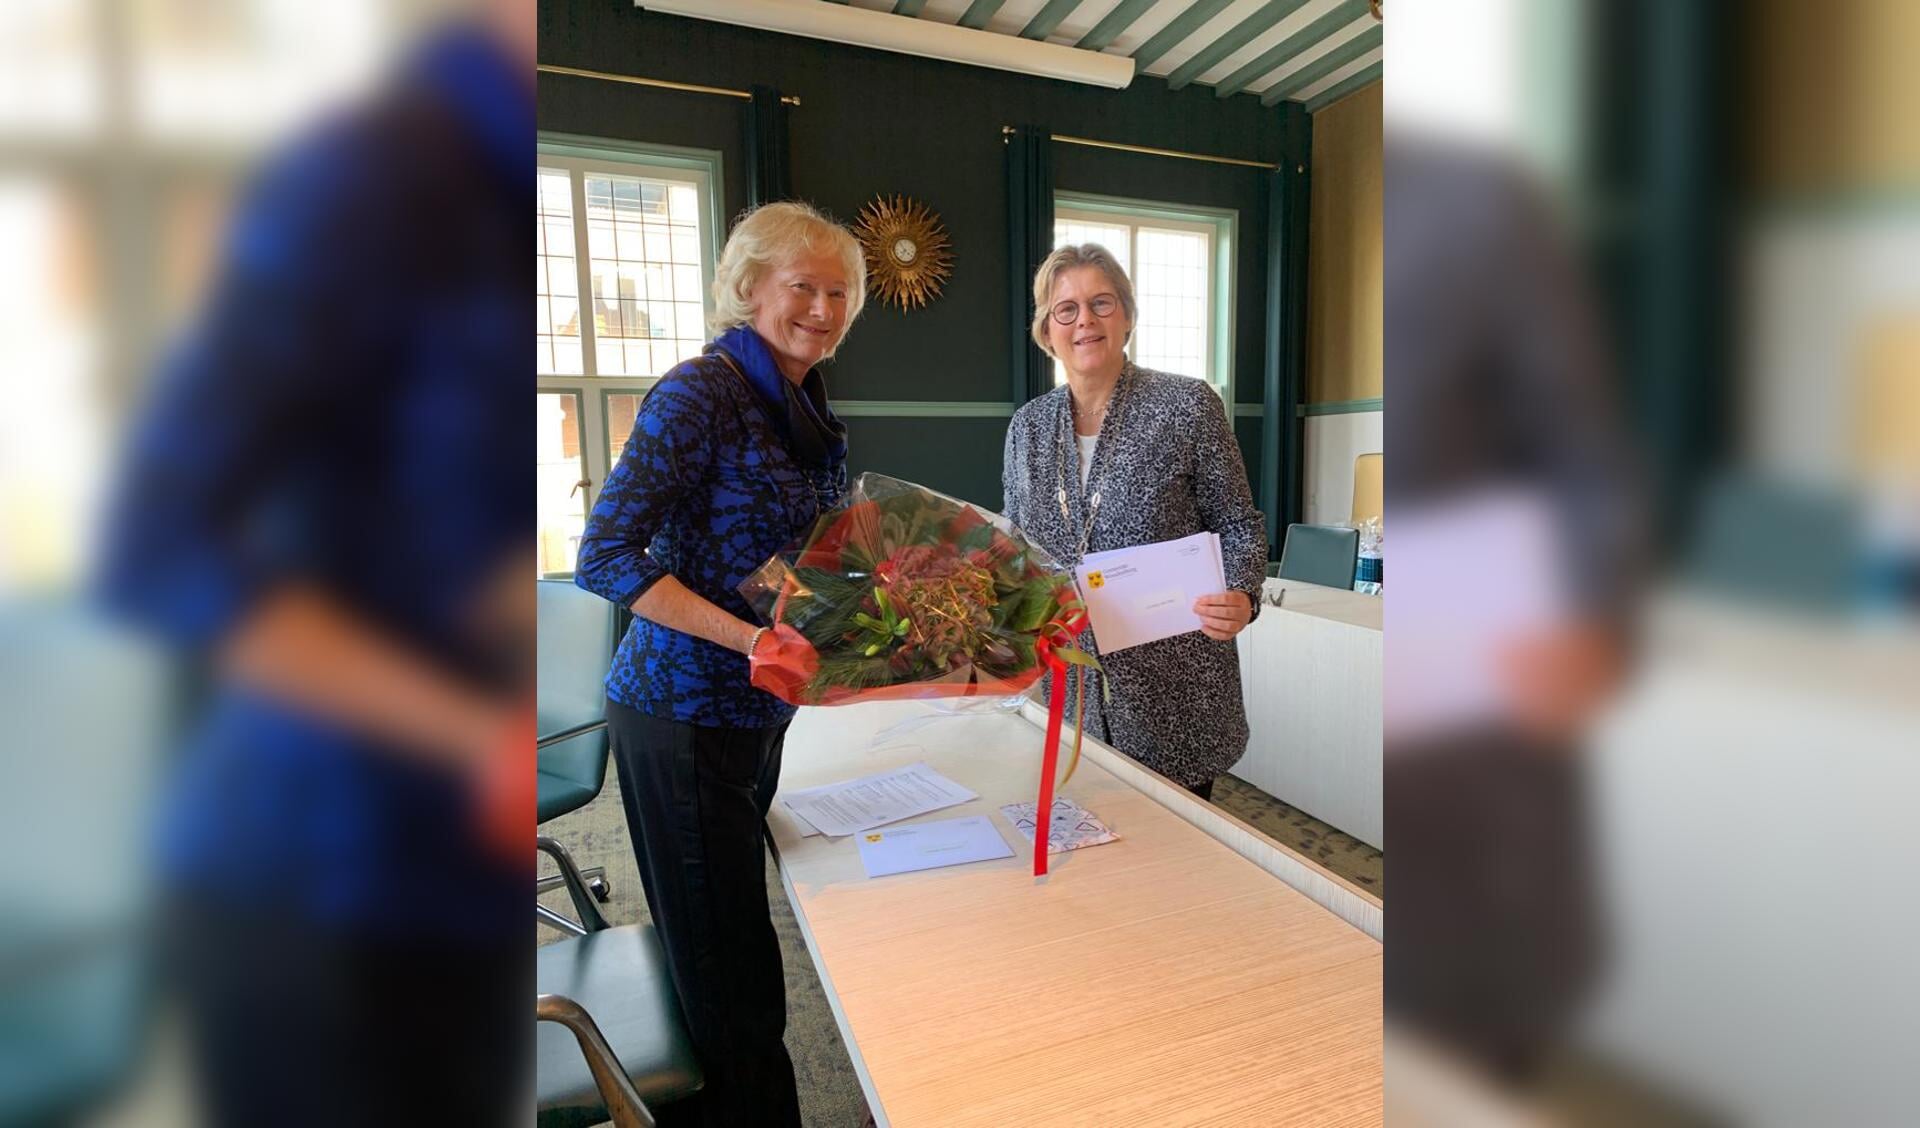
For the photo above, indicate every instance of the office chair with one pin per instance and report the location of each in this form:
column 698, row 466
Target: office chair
column 89, row 714
column 576, row 643
column 611, row 1039
column 1320, row 554
column 1767, row 540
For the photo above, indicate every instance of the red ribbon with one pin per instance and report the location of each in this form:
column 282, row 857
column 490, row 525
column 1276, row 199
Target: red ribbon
column 1043, row 647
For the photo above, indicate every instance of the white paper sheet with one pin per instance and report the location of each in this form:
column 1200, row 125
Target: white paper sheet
column 875, row 800
column 1146, row 593
column 920, row 846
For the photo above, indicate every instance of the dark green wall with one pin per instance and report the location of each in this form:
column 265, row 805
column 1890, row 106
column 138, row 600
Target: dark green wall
column 873, row 122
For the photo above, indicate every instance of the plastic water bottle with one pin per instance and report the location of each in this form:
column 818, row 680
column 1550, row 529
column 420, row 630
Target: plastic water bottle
column 1368, row 568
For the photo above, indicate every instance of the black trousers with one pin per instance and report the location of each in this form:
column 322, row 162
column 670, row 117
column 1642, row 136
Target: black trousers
column 697, row 801
column 291, row 1024
column 1496, row 932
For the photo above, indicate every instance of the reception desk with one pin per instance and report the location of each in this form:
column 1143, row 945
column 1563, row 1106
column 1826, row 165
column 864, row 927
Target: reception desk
column 1310, row 670
column 1194, row 971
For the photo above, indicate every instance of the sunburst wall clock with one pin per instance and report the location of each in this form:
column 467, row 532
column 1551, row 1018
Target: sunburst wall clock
column 906, row 246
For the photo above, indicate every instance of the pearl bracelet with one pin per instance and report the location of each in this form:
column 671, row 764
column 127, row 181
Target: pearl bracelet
column 755, row 640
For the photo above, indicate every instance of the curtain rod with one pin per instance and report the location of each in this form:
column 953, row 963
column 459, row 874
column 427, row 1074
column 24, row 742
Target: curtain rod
column 1150, row 151
column 662, row 84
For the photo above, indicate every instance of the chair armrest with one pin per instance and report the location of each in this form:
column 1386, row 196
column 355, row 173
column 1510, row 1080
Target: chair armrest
column 589, row 913
column 564, row 734
column 609, row 1076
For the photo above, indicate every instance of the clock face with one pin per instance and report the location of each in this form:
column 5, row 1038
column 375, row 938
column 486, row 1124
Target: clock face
column 906, row 250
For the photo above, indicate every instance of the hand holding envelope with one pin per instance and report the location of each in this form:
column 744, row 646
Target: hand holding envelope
column 1150, row 591
column 1223, row 614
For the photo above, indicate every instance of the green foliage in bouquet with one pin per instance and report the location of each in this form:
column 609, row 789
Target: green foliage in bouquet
column 911, row 588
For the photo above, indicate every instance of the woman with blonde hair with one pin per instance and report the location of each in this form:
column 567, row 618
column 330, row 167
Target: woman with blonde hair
column 734, row 452
column 1123, row 456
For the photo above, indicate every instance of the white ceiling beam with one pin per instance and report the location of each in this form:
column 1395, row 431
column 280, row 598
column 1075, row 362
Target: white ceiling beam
column 927, row 39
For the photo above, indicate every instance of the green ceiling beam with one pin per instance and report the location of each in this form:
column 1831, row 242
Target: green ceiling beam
column 979, row 12
column 1302, row 40
column 1318, row 69
column 909, row 7
column 1183, row 25
column 1334, row 94
column 1048, row 18
column 1116, row 22
column 1243, row 33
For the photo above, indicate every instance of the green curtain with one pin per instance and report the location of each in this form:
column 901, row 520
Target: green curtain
column 1029, row 240
column 767, row 176
column 1281, row 440
column 1662, row 155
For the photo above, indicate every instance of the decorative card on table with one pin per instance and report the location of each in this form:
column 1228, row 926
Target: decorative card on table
column 1073, row 825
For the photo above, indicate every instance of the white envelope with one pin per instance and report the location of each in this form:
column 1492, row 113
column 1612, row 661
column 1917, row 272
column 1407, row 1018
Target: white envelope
column 1146, row 593
column 919, row 846
column 1472, row 575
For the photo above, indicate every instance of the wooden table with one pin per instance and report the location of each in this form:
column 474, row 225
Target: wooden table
column 1194, row 972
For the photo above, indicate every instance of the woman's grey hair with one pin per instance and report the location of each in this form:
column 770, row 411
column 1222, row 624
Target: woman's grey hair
column 769, row 237
column 1066, row 258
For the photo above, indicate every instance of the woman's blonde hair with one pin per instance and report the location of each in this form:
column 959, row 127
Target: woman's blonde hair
column 768, row 237
column 1066, row 258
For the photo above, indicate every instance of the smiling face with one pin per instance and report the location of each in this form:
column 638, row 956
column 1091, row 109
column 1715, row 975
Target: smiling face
column 1089, row 343
column 800, row 311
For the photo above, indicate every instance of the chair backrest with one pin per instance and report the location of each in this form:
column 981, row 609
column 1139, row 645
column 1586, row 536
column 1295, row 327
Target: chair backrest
column 90, row 716
column 1369, row 487
column 575, row 648
column 1772, row 541
column 1320, row 554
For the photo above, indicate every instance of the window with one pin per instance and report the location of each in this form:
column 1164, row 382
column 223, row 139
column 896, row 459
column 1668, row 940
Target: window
column 126, row 129
column 1180, row 262
column 561, row 507
column 624, row 256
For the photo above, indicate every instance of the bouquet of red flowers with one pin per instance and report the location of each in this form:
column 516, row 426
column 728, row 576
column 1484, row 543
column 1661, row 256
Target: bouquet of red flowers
column 903, row 592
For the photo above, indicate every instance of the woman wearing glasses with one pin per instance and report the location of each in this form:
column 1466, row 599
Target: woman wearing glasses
column 1124, row 456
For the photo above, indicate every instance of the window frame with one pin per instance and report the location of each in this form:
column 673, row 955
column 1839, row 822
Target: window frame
column 1219, row 224
column 579, row 459
column 580, row 155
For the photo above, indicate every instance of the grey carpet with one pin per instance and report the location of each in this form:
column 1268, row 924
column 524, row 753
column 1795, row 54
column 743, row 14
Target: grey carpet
column 1335, row 849
column 596, row 835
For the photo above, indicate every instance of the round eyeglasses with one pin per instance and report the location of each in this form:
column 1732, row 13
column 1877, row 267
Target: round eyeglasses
column 1102, row 305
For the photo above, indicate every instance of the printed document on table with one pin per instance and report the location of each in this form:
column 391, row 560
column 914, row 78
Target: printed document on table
column 862, row 804
column 1146, row 593
column 920, row 846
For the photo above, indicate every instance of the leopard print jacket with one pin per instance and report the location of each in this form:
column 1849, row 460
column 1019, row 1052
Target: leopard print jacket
column 1166, row 466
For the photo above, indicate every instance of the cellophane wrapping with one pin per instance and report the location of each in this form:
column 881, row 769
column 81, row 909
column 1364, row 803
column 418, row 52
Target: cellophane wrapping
column 905, row 592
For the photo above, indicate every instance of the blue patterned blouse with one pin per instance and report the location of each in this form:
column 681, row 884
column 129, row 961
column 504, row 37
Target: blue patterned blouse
column 346, row 412
column 707, row 490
